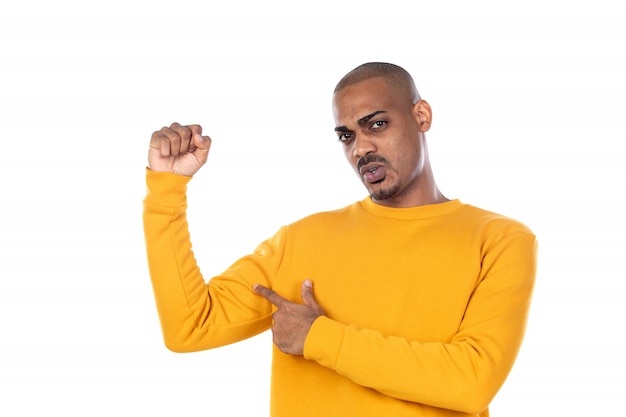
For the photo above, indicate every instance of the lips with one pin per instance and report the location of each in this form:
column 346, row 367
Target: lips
column 372, row 172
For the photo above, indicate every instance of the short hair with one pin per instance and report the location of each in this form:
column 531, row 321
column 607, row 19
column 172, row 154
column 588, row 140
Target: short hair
column 393, row 74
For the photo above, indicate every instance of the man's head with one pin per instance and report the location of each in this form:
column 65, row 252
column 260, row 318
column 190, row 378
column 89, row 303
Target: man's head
column 381, row 121
column 396, row 76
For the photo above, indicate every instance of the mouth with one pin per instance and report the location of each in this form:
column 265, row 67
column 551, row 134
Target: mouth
column 372, row 173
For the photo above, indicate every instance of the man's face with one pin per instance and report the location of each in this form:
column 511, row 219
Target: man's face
column 383, row 140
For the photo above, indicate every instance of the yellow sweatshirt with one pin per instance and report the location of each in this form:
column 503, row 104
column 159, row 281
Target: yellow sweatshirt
column 425, row 307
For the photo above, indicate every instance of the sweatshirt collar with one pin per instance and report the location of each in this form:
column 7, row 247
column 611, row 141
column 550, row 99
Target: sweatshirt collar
column 410, row 213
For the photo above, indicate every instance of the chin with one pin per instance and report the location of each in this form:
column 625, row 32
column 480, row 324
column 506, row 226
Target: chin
column 384, row 193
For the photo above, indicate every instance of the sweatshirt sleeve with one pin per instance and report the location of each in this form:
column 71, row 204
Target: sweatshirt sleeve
column 194, row 314
column 461, row 374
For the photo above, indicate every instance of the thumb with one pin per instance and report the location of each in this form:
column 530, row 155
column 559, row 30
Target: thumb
column 308, row 297
column 203, row 143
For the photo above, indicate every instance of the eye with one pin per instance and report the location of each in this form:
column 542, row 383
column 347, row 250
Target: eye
column 378, row 124
column 345, row 137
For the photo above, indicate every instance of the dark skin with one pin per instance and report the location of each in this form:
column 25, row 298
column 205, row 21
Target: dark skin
column 382, row 129
column 292, row 321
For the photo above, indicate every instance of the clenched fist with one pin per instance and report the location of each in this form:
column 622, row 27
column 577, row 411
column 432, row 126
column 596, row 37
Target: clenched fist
column 178, row 149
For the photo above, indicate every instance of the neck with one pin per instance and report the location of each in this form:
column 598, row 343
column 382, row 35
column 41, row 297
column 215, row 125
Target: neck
column 433, row 197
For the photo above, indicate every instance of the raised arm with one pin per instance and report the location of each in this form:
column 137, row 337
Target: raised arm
column 194, row 314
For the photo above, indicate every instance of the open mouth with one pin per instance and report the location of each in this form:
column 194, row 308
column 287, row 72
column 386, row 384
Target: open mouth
column 373, row 173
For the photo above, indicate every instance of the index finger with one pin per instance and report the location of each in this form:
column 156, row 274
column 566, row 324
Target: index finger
column 270, row 295
column 185, row 136
column 195, row 129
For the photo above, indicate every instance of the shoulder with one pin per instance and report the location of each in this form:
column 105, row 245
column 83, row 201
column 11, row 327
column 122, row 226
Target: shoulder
column 494, row 232
column 492, row 221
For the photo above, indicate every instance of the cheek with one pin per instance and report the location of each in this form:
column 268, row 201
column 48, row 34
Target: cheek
column 349, row 154
column 415, row 161
column 410, row 158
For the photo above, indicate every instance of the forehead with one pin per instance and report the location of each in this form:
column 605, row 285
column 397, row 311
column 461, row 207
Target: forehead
column 357, row 100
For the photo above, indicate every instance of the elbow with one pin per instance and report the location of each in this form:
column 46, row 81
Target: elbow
column 475, row 397
column 183, row 338
column 476, row 386
column 175, row 347
column 178, row 346
column 475, row 404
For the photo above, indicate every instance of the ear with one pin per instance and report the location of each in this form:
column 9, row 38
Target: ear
column 423, row 114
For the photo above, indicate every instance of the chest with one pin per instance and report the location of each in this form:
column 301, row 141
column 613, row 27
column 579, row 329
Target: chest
column 414, row 284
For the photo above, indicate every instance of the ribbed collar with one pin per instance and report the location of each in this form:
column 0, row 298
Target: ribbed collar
column 411, row 213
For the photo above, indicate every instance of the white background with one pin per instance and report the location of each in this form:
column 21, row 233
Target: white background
column 528, row 102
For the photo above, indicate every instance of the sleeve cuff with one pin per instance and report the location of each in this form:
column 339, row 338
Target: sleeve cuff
column 166, row 189
column 324, row 341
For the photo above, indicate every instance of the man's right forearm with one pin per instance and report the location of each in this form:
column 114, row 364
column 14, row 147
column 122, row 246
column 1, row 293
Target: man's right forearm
column 196, row 315
column 179, row 288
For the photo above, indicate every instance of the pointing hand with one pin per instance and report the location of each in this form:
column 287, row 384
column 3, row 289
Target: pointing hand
column 292, row 321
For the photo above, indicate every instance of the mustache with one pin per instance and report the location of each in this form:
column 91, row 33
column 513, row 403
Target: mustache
column 370, row 157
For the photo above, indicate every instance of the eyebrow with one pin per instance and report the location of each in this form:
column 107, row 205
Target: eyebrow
column 361, row 121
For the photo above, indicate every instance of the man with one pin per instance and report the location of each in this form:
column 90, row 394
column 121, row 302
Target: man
column 403, row 304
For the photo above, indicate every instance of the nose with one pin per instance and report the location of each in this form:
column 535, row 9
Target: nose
column 363, row 144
